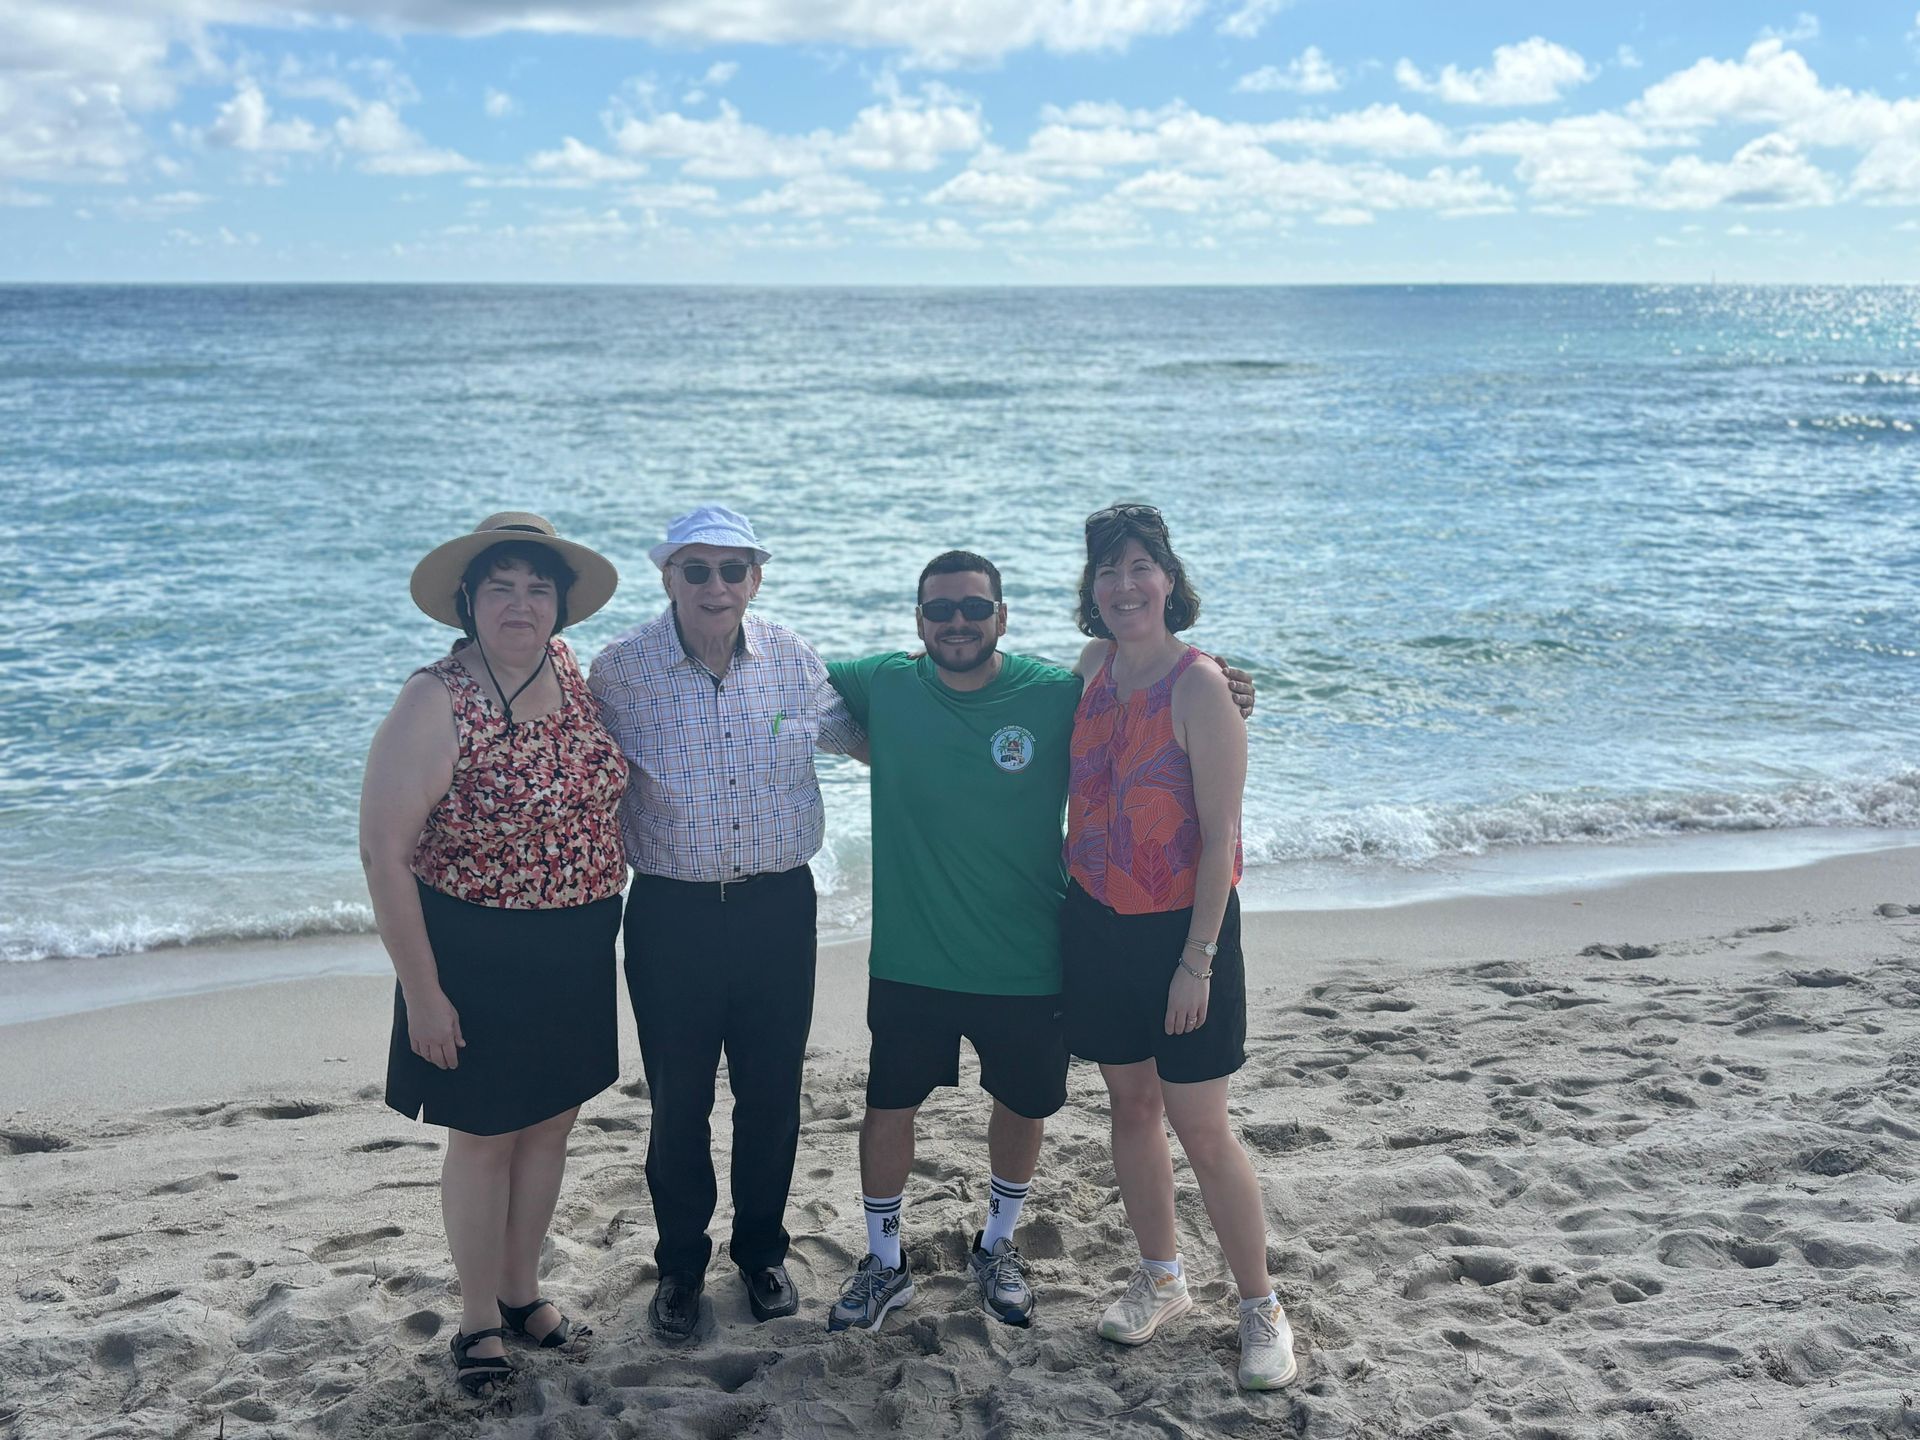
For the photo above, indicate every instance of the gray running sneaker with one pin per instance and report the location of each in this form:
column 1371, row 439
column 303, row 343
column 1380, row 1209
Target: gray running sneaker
column 1148, row 1302
column 869, row 1294
column 1266, row 1349
column 1002, row 1278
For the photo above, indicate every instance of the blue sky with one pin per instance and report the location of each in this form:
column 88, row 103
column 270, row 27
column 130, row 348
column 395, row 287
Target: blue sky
column 957, row 141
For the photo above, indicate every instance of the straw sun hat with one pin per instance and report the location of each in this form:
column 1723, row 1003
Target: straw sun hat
column 436, row 579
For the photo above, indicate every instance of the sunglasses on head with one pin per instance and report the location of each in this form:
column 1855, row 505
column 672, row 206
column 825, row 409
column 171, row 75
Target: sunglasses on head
column 1144, row 514
column 698, row 572
column 974, row 607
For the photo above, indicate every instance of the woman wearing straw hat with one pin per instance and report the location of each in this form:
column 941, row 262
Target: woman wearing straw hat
column 489, row 831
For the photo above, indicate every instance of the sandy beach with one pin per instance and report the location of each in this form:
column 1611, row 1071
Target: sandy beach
column 1516, row 1186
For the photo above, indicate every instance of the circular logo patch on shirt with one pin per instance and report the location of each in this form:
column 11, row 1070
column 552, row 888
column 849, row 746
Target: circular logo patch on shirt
column 1012, row 747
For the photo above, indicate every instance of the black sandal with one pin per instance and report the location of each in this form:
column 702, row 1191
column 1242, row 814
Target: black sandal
column 480, row 1375
column 562, row 1333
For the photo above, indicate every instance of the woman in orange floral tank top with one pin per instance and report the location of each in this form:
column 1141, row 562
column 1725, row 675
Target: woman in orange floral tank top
column 490, row 835
column 1154, row 988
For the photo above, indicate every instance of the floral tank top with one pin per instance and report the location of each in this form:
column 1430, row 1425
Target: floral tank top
column 1133, row 826
column 532, row 819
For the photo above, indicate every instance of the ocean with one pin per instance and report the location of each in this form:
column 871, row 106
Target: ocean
column 1523, row 574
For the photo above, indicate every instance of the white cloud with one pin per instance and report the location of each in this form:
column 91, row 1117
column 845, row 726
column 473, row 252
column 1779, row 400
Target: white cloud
column 904, row 134
column 159, row 207
column 1575, row 160
column 499, row 104
column 1771, row 84
column 72, row 84
column 995, row 190
column 574, row 226
column 720, row 72
column 376, row 131
column 1344, row 216
column 1805, row 27
column 1382, row 129
column 725, row 148
column 942, row 232
column 1251, row 18
column 1534, row 72
column 1627, row 58
column 677, row 196
column 22, row 199
column 245, row 122
column 581, row 163
column 1769, row 172
column 811, row 196
column 1308, row 73
column 930, row 31
column 1175, row 190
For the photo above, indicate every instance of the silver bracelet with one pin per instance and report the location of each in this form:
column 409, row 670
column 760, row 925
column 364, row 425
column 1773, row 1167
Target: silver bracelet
column 1197, row 974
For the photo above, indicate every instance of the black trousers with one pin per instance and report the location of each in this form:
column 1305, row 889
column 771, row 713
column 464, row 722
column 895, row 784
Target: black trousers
column 710, row 975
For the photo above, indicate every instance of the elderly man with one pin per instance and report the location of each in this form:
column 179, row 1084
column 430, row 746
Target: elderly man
column 718, row 713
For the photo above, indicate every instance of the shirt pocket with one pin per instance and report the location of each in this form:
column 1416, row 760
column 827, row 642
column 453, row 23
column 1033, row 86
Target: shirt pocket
column 783, row 750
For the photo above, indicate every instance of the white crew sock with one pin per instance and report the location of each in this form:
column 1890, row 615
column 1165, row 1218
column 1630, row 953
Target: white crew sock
column 1259, row 1302
column 883, row 1228
column 1162, row 1269
column 1003, row 1210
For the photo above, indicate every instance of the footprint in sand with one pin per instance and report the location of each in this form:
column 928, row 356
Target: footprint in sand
column 31, row 1142
column 275, row 1110
column 1283, row 1137
column 195, row 1182
column 375, row 1147
column 228, row 1265
column 342, row 1246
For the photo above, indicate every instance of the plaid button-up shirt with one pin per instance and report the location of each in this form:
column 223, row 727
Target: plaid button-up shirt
column 722, row 783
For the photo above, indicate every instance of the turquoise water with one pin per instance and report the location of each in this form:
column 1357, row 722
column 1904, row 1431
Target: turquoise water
column 1514, row 567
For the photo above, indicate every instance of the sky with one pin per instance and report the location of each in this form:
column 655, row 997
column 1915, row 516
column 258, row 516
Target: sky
column 958, row 141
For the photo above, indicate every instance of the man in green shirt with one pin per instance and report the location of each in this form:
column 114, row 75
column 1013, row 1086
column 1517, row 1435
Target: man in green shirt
column 971, row 752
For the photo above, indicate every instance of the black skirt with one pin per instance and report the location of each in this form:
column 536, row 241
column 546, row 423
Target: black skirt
column 534, row 990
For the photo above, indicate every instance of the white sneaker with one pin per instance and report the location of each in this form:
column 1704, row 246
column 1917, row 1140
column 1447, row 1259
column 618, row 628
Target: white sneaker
column 1148, row 1302
column 1266, row 1349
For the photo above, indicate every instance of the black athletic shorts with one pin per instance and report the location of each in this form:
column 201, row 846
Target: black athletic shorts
column 916, row 1046
column 1116, row 970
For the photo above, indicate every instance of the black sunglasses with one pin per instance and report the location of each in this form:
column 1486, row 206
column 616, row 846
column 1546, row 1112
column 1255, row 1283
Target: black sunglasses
column 1145, row 514
column 974, row 607
column 698, row 572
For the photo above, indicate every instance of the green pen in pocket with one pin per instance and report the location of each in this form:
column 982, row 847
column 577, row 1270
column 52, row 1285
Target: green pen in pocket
column 778, row 716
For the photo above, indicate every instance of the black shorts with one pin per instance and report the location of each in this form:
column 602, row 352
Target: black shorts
column 916, row 1046
column 1116, row 970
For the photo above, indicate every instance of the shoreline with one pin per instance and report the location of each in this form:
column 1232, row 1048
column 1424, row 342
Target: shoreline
column 289, row 1020
column 1305, row 891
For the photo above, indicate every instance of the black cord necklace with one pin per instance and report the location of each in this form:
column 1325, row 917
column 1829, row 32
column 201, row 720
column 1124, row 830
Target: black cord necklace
column 508, row 700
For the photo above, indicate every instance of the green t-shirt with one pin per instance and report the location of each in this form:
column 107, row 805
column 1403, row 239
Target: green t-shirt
column 969, row 788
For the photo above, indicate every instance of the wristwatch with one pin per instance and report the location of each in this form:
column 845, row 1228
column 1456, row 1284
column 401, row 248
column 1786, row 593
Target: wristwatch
column 1208, row 948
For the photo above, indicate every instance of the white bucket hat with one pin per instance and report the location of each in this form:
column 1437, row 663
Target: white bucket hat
column 710, row 525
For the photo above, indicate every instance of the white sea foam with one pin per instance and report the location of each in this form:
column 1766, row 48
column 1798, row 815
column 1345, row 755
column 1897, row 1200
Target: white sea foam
column 1396, row 836
column 51, row 940
column 1413, row 835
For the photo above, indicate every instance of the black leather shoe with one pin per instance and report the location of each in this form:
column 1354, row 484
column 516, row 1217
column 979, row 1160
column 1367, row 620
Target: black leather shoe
column 675, row 1310
column 770, row 1292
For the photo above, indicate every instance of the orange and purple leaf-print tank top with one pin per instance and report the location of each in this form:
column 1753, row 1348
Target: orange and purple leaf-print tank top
column 1133, row 826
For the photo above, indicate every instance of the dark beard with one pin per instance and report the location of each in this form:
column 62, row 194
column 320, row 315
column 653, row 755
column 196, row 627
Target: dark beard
column 981, row 657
